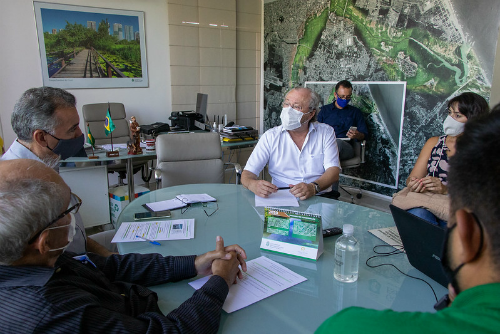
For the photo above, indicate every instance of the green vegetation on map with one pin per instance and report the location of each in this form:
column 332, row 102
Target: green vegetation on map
column 123, row 54
column 312, row 33
column 427, row 63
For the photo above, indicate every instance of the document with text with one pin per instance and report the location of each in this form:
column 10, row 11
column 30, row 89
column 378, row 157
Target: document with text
column 389, row 235
column 280, row 198
column 264, row 278
column 155, row 230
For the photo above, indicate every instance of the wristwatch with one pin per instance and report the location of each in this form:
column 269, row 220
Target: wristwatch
column 316, row 187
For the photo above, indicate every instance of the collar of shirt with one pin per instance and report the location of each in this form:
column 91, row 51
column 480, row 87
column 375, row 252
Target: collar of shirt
column 12, row 276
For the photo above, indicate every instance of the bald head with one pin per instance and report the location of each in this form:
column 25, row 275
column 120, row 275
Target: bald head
column 21, row 169
column 31, row 196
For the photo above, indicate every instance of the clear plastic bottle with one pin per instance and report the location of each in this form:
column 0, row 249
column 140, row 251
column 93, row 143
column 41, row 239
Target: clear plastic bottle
column 346, row 256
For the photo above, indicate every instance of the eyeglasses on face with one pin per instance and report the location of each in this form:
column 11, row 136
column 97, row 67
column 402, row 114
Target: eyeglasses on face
column 73, row 209
column 295, row 106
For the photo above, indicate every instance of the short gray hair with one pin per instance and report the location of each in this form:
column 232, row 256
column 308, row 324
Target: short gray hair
column 26, row 206
column 35, row 110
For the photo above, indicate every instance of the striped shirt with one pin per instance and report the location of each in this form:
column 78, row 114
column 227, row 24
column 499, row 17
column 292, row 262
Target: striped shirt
column 76, row 297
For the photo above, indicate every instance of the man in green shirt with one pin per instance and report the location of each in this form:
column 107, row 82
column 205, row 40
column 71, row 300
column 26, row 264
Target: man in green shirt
column 471, row 252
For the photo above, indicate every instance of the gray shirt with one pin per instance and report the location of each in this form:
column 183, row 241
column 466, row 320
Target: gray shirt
column 19, row 151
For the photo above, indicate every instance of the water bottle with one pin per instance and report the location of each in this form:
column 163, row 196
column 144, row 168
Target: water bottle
column 346, row 256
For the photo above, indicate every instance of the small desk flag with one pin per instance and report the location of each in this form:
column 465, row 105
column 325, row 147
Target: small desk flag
column 90, row 138
column 108, row 124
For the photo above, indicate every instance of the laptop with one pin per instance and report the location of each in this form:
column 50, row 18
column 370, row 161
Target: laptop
column 423, row 242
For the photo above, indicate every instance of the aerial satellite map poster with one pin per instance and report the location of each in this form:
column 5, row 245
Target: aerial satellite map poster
column 436, row 47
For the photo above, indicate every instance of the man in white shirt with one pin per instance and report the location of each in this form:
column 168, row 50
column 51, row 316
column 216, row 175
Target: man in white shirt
column 301, row 153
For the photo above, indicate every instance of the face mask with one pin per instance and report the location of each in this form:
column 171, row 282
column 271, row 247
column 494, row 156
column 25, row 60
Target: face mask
column 452, row 127
column 342, row 103
column 71, row 232
column 451, row 274
column 290, row 118
column 67, row 148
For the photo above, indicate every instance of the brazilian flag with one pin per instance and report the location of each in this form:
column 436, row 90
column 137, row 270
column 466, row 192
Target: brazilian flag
column 108, row 124
column 91, row 139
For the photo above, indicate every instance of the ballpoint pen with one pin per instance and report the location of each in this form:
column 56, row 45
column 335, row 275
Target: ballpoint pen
column 283, row 188
column 150, row 241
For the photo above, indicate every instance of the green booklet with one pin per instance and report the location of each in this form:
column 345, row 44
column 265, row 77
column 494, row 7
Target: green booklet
column 292, row 232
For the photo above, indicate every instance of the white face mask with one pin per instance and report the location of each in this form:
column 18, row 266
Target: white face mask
column 452, row 127
column 71, row 232
column 290, row 118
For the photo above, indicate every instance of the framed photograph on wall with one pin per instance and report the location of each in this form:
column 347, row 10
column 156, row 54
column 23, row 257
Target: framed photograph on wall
column 88, row 47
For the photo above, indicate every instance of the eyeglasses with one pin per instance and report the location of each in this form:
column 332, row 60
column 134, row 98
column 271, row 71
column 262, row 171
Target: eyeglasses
column 294, row 106
column 344, row 97
column 208, row 215
column 205, row 205
column 73, row 209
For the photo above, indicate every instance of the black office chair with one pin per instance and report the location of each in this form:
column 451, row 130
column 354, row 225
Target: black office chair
column 356, row 161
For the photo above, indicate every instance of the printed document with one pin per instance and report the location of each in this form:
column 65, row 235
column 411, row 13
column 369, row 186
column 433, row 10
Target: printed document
column 155, row 230
column 389, row 235
column 263, row 278
column 280, row 198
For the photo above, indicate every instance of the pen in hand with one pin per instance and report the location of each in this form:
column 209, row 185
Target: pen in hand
column 283, row 188
column 150, row 241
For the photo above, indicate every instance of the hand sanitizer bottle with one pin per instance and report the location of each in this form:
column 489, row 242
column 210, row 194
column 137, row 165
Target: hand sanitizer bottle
column 346, row 256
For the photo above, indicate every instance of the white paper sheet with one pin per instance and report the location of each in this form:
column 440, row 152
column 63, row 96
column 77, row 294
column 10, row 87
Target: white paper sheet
column 389, row 235
column 155, row 230
column 169, row 204
column 263, row 278
column 279, row 198
column 195, row 198
column 180, row 201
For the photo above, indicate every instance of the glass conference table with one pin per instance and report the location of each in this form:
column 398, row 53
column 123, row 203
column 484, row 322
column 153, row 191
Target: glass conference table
column 302, row 308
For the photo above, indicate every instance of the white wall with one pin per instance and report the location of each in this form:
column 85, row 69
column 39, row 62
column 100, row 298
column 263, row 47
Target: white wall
column 20, row 60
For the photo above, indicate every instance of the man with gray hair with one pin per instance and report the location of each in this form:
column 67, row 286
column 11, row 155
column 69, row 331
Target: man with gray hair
column 45, row 289
column 46, row 123
column 301, row 153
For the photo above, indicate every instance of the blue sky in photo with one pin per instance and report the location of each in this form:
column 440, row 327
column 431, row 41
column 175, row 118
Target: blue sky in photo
column 56, row 19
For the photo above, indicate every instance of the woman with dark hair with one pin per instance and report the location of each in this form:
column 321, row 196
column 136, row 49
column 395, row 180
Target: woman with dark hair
column 431, row 169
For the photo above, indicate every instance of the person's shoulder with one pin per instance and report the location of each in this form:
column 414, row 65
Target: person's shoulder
column 353, row 108
column 323, row 128
column 328, row 106
column 432, row 141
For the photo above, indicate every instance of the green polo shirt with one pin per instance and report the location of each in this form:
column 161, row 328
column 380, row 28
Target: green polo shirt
column 475, row 310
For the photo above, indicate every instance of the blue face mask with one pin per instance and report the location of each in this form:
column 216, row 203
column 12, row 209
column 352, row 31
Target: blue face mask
column 342, row 103
column 67, row 148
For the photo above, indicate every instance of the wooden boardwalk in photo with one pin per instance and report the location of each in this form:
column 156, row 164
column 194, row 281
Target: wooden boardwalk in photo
column 76, row 69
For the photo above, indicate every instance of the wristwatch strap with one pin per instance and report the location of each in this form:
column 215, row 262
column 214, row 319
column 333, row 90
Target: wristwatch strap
column 316, row 187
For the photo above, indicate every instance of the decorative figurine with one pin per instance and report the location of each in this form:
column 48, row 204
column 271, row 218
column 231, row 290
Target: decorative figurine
column 134, row 147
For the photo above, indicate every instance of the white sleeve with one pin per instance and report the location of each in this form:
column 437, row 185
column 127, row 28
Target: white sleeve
column 260, row 155
column 331, row 151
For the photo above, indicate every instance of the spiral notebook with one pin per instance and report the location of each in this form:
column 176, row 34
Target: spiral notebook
column 292, row 232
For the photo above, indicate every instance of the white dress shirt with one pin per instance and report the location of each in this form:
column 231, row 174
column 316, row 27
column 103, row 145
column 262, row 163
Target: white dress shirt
column 289, row 165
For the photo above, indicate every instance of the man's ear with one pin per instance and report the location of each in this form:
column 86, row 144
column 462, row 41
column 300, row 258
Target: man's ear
column 40, row 137
column 42, row 243
column 469, row 233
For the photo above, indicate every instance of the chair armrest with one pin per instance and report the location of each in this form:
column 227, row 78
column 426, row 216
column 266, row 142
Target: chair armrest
column 157, row 176
column 363, row 149
column 237, row 169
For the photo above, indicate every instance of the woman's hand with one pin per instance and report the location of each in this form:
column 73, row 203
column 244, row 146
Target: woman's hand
column 415, row 185
column 434, row 185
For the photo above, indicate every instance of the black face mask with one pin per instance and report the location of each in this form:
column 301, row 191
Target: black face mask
column 67, row 148
column 450, row 273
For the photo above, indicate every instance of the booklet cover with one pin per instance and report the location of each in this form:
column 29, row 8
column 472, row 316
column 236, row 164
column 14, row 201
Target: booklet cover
column 292, row 232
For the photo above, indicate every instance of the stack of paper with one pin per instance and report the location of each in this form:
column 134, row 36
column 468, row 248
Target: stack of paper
column 155, row 230
column 179, row 201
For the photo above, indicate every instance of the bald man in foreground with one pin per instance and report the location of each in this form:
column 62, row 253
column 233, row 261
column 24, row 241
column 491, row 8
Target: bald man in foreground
column 45, row 289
